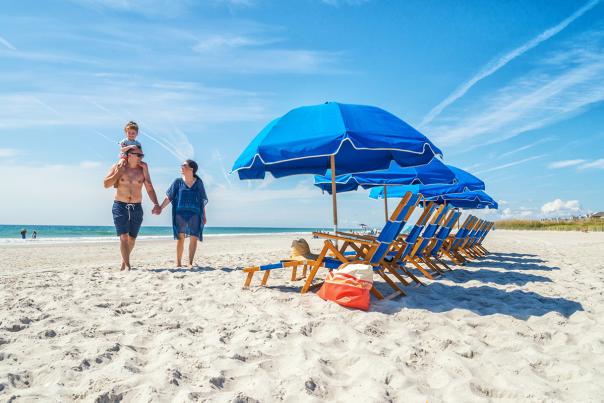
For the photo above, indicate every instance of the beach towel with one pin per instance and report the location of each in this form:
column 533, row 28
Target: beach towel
column 349, row 286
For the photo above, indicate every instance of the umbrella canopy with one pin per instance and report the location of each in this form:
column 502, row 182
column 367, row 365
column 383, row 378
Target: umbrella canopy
column 359, row 137
column 434, row 172
column 342, row 137
column 477, row 199
column 465, row 182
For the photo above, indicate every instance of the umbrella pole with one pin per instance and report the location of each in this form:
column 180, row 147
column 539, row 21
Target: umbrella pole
column 333, row 194
column 386, row 202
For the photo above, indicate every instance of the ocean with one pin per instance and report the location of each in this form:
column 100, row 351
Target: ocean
column 89, row 233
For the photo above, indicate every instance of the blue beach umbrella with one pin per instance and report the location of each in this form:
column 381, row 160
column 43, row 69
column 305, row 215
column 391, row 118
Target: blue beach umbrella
column 465, row 181
column 343, row 137
column 434, row 172
column 476, row 199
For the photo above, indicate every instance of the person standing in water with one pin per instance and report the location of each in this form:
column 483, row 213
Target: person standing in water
column 188, row 197
column 23, row 233
column 34, row 235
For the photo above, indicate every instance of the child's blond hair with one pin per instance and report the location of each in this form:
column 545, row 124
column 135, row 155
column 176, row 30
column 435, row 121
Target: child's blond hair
column 131, row 125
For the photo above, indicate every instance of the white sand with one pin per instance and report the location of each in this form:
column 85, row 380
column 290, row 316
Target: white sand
column 523, row 325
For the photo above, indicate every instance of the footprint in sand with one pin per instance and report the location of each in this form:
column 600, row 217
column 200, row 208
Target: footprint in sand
column 109, row 397
column 21, row 380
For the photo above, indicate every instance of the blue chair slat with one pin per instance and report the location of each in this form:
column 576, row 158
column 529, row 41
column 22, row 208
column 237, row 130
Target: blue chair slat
column 380, row 252
column 430, row 231
column 271, row 266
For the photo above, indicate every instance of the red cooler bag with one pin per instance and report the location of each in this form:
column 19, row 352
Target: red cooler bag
column 349, row 286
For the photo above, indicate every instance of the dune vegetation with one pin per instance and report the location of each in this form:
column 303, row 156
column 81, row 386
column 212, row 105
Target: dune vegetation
column 578, row 224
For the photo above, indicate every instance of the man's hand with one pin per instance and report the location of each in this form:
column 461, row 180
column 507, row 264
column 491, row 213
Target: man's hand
column 156, row 210
column 121, row 163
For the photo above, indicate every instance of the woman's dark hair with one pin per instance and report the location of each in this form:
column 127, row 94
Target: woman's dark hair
column 193, row 165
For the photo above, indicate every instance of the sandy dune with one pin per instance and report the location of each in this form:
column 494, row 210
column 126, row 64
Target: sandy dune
column 525, row 324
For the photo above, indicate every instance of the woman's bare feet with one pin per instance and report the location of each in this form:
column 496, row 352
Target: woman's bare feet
column 123, row 266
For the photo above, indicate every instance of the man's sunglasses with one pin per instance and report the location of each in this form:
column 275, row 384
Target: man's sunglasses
column 138, row 154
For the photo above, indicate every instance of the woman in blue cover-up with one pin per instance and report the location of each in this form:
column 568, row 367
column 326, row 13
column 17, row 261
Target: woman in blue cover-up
column 188, row 197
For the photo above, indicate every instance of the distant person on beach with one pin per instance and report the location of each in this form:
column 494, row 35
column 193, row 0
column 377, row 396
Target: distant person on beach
column 129, row 142
column 23, row 233
column 34, row 235
column 127, row 209
column 188, row 197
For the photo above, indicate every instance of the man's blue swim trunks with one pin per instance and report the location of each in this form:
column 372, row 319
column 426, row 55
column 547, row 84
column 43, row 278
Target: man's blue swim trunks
column 127, row 217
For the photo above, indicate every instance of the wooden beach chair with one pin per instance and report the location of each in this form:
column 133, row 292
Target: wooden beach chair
column 374, row 252
column 453, row 242
column 486, row 231
column 362, row 250
column 433, row 251
column 467, row 244
column 415, row 251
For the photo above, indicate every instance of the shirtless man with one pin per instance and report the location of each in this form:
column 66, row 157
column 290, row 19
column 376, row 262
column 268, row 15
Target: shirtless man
column 128, row 181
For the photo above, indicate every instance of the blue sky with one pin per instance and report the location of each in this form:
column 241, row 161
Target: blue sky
column 511, row 91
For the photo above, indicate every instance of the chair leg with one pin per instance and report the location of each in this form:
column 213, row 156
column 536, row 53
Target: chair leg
column 391, row 283
column 315, row 269
column 294, row 273
column 265, row 277
column 431, row 265
column 410, row 274
column 443, row 263
column 376, row 293
column 248, row 278
column 398, row 276
column 420, row 268
column 250, row 274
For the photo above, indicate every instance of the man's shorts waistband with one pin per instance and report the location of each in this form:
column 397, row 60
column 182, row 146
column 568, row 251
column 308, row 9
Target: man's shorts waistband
column 121, row 203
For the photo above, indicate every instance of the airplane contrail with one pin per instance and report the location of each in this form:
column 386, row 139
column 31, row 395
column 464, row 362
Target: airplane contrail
column 497, row 64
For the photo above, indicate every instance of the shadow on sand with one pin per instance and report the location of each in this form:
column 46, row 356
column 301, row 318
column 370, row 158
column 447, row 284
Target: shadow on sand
column 195, row 269
column 490, row 276
column 483, row 301
column 507, row 265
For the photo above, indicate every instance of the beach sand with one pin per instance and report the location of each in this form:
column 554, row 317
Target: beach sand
column 524, row 324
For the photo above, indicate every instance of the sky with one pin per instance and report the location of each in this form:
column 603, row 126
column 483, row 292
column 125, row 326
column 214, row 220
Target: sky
column 511, row 91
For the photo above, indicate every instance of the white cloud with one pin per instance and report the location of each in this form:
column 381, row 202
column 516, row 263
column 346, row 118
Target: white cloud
column 598, row 164
column 564, row 84
column 8, row 152
column 579, row 163
column 559, row 207
column 525, row 147
column 497, row 64
column 510, row 164
column 7, row 44
column 229, row 41
column 149, row 8
column 565, row 163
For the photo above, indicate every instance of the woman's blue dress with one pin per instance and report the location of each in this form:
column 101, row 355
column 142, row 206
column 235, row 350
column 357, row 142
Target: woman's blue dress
column 187, row 207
